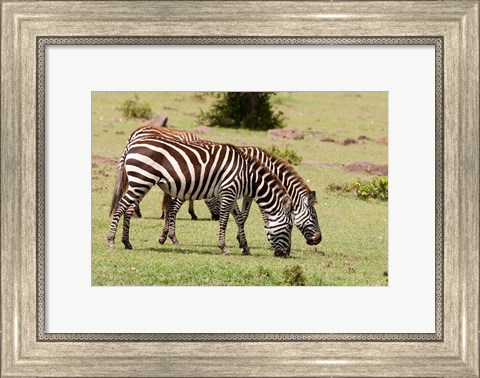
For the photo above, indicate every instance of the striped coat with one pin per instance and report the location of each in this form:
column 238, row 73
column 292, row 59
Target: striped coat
column 198, row 170
column 186, row 136
column 303, row 199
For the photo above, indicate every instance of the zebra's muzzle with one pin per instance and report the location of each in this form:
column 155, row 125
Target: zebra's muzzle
column 316, row 239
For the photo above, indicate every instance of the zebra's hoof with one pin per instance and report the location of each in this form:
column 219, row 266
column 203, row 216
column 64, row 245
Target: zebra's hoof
column 127, row 245
column 194, row 217
column 162, row 240
column 215, row 217
column 111, row 246
column 226, row 253
column 246, row 251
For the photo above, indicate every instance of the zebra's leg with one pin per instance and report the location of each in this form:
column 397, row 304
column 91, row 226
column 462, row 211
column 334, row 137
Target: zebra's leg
column 172, row 219
column 126, row 226
column 124, row 204
column 171, row 209
column 213, row 205
column 226, row 204
column 137, row 213
column 126, row 221
column 167, row 199
column 191, row 211
column 163, row 237
column 242, row 240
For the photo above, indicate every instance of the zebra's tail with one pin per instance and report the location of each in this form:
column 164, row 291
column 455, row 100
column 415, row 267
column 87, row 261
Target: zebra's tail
column 121, row 183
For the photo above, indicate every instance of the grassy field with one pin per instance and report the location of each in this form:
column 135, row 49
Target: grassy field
column 354, row 250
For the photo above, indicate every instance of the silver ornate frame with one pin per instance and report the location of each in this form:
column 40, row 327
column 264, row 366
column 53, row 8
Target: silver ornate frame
column 452, row 26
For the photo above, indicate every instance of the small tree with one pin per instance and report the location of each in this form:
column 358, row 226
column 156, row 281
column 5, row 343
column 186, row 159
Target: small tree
column 245, row 110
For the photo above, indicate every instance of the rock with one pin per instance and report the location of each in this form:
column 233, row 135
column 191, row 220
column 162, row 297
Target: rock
column 362, row 139
column 158, row 121
column 366, row 167
column 348, row 141
column 328, row 139
column 383, row 141
column 287, row 133
column 202, row 130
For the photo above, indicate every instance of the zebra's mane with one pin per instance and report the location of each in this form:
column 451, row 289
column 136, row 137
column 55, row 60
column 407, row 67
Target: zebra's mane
column 288, row 169
column 252, row 160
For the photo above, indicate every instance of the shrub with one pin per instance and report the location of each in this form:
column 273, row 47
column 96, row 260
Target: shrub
column 289, row 155
column 244, row 110
column 294, row 276
column 263, row 272
column 136, row 109
column 376, row 188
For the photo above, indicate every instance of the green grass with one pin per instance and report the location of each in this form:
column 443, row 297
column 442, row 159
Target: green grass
column 355, row 233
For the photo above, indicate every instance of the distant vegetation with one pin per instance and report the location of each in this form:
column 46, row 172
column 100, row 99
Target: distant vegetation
column 376, row 188
column 136, row 109
column 288, row 154
column 243, row 110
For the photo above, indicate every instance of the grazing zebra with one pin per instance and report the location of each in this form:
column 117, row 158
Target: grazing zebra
column 198, row 170
column 303, row 201
column 186, row 136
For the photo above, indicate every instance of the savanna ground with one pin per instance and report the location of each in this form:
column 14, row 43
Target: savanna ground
column 354, row 249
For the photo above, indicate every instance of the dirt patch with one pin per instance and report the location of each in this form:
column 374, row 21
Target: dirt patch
column 287, row 133
column 323, row 137
column 98, row 160
column 366, row 167
column 383, row 141
column 360, row 140
column 319, row 164
column 202, row 129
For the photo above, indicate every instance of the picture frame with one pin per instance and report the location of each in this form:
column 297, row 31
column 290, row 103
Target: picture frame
column 27, row 352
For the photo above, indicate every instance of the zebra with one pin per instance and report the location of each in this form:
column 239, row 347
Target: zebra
column 182, row 135
column 197, row 170
column 303, row 201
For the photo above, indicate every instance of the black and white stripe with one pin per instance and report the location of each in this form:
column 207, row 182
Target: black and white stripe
column 198, row 170
column 303, row 201
column 168, row 133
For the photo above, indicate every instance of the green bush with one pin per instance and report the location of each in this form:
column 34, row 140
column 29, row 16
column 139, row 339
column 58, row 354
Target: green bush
column 294, row 276
column 289, row 155
column 243, row 110
column 136, row 109
column 376, row 188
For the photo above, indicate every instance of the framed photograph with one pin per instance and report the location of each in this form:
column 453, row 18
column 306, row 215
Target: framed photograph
column 355, row 129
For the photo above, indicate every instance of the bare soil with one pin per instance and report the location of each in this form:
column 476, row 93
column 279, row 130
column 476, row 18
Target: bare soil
column 98, row 160
column 366, row 167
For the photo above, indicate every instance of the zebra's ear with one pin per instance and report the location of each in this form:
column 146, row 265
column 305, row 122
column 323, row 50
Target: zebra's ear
column 312, row 196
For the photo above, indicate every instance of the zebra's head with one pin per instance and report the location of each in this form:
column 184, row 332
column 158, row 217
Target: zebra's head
column 278, row 227
column 306, row 219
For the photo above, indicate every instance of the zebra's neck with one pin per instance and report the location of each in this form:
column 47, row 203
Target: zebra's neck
column 263, row 186
column 295, row 185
